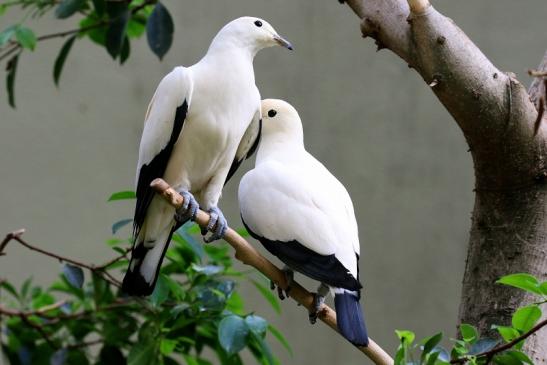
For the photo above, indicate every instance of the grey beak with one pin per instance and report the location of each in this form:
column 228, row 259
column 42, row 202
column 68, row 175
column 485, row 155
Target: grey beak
column 283, row 42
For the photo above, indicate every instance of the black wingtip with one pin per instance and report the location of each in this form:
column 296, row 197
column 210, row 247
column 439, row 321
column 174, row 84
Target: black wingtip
column 134, row 285
column 350, row 318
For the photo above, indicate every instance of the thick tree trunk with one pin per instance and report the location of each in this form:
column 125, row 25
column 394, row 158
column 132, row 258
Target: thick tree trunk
column 497, row 116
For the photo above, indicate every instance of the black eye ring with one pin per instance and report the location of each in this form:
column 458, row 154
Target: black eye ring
column 271, row 113
column 258, row 23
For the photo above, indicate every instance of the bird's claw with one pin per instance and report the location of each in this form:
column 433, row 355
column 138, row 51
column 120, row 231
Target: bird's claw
column 289, row 278
column 217, row 225
column 189, row 208
column 318, row 301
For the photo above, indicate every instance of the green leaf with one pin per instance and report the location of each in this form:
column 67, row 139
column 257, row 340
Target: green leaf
column 115, row 33
column 122, row 195
column 430, row 344
column 507, row 333
column 26, row 37
column 242, row 232
column 406, row 337
column 522, row 281
column 521, row 356
column 11, row 69
column 235, row 303
column 68, row 7
column 126, row 50
column 136, row 26
column 167, row 346
column 543, row 288
column 7, row 34
column 161, row 291
column 159, row 30
column 268, row 295
column 256, row 324
column 143, row 354
column 279, row 336
column 74, row 275
column 3, row 8
column 232, row 334
column 111, row 355
column 119, row 224
column 9, row 288
column 525, row 318
column 265, row 351
column 469, row 333
column 61, row 58
column 99, row 6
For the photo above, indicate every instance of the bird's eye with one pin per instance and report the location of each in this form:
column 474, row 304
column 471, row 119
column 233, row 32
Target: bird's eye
column 271, row 113
column 258, row 23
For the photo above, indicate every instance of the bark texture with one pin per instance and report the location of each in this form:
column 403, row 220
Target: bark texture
column 496, row 114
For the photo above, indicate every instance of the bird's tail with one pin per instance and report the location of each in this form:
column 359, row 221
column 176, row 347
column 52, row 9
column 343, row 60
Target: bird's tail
column 350, row 317
column 144, row 267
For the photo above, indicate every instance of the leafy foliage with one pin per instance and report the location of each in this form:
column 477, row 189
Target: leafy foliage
column 109, row 24
column 471, row 349
column 83, row 318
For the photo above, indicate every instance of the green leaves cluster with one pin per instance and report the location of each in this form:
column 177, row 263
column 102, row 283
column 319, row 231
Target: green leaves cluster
column 82, row 318
column 109, row 24
column 471, row 348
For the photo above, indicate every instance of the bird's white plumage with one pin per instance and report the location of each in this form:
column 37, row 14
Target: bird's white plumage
column 290, row 195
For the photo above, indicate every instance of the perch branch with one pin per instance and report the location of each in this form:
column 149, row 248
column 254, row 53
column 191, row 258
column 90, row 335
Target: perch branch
column 247, row 254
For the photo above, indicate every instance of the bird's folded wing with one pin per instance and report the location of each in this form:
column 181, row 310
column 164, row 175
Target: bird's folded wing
column 163, row 125
column 248, row 144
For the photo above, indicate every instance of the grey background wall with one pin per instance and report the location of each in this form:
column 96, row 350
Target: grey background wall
column 369, row 118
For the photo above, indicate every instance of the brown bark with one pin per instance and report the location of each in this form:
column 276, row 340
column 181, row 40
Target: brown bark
column 496, row 115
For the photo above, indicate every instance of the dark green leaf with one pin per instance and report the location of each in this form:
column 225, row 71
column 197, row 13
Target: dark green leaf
column 61, row 58
column 126, row 50
column 432, row 358
column 122, row 195
column 119, row 224
column 99, row 6
column 525, row 318
column 9, row 288
column 277, row 334
column 115, row 34
column 232, row 334
column 96, row 34
column 265, row 351
column 3, row 8
column 256, row 324
column 469, row 333
column 136, row 26
column 159, row 30
column 161, row 291
column 111, row 355
column 143, row 354
column 483, row 345
column 521, row 356
column 522, row 281
column 507, row 359
column 10, row 79
column 7, row 34
column 269, row 296
column 167, row 346
column 68, row 7
column 74, row 275
column 431, row 343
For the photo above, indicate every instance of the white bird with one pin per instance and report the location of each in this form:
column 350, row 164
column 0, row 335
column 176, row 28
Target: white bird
column 303, row 215
column 201, row 123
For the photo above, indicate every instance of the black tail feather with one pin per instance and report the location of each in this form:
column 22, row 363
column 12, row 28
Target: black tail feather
column 350, row 318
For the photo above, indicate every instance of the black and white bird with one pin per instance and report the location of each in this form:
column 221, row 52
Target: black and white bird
column 303, row 215
column 201, row 123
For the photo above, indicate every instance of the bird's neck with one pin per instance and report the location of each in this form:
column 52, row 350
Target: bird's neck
column 280, row 148
column 227, row 47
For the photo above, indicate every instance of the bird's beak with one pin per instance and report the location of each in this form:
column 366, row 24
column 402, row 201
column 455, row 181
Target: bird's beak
column 282, row 42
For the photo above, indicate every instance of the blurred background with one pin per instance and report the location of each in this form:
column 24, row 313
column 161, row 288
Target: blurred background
column 368, row 117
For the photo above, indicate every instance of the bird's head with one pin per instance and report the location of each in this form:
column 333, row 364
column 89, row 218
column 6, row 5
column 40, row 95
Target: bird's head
column 252, row 33
column 280, row 118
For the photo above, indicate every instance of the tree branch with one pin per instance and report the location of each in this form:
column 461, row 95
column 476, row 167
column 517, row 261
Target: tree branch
column 99, row 270
column 247, row 254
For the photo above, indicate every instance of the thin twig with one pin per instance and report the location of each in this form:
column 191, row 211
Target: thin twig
column 490, row 353
column 247, row 254
column 114, row 260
